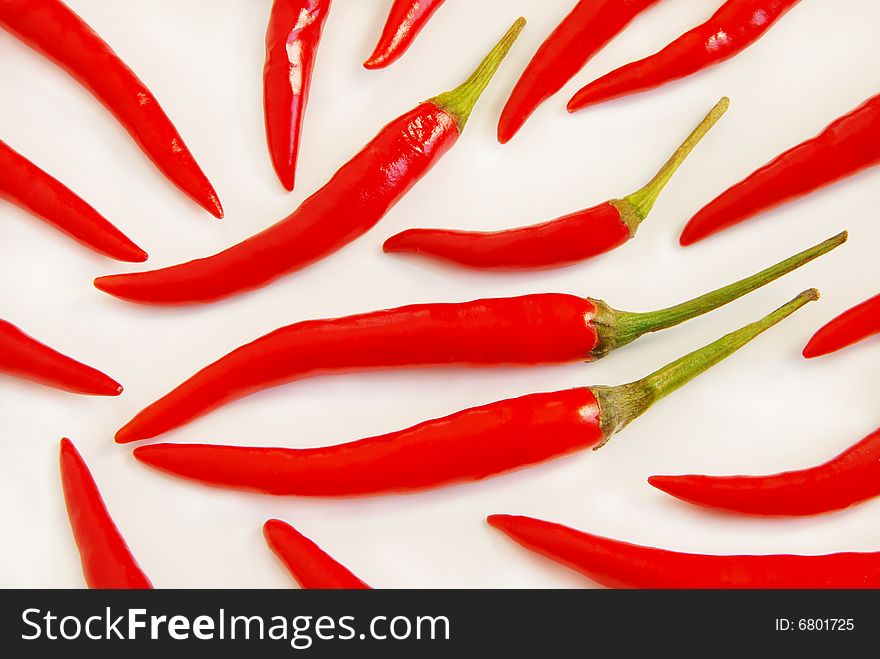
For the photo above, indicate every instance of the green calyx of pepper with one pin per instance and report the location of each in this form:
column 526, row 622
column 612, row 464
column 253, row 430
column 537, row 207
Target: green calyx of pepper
column 617, row 328
column 460, row 101
column 635, row 208
column 620, row 405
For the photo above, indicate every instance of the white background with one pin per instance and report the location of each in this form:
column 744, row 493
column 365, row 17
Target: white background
column 765, row 409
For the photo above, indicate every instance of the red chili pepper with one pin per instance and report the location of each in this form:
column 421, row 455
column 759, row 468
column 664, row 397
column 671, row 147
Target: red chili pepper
column 29, row 187
column 545, row 328
column 350, row 204
column 310, row 565
column 292, row 39
column 405, row 20
column 848, row 328
column 51, row 28
column 733, row 28
column 565, row 240
column 25, row 357
column 466, row 446
column 845, row 480
column 580, row 35
column 106, row 559
column 619, row 564
column 849, row 145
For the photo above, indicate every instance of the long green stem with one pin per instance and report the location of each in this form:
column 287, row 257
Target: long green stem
column 460, row 101
column 617, row 328
column 620, row 405
column 635, row 208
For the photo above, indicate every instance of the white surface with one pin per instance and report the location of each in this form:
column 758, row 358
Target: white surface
column 765, row 409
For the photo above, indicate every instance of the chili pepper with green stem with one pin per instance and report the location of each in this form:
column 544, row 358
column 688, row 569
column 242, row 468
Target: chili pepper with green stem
column 850, row 327
column 589, row 26
column 466, row 446
column 619, row 564
column 107, row 561
column 25, row 357
column 292, row 39
column 845, row 480
column 349, row 205
column 310, row 565
column 849, row 145
column 734, row 27
column 569, row 239
column 535, row 329
column 51, row 28
column 405, row 20
column 29, row 187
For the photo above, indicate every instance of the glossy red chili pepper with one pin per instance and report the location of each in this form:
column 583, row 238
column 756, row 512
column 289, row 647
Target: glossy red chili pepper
column 466, row 446
column 310, row 565
column 292, row 39
column 580, row 35
column 25, row 357
column 350, row 204
column 29, row 187
column 405, row 20
column 51, row 28
column 565, row 240
column 619, row 564
column 849, row 145
column 845, row 480
column 531, row 329
column 850, row 327
column 107, row 561
column 733, row 28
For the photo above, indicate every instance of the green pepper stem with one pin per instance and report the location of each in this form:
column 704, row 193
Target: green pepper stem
column 460, row 101
column 620, row 405
column 617, row 328
column 635, row 208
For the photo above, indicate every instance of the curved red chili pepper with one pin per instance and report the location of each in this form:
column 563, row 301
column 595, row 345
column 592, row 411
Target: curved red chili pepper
column 845, row 480
column 580, row 35
column 563, row 241
column 50, row 27
column 848, row 145
column 25, row 357
column 733, row 28
column 292, row 39
column 531, row 329
column 29, row 187
column 405, row 20
column 850, row 327
column 619, row 564
column 350, row 204
column 107, row 561
column 466, row 446
column 310, row 565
